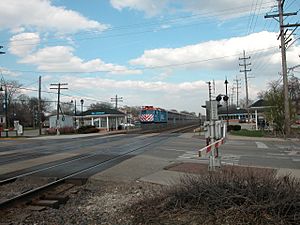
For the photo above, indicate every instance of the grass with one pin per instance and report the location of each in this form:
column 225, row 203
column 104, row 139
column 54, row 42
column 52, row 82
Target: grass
column 248, row 133
column 233, row 196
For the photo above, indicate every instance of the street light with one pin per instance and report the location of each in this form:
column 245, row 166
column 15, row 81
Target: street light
column 81, row 101
column 1, row 53
column 5, row 103
column 226, row 82
column 5, row 96
column 75, row 113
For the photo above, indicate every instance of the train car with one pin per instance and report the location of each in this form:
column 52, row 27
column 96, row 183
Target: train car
column 150, row 114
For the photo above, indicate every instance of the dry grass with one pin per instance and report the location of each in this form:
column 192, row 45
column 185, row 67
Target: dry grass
column 231, row 196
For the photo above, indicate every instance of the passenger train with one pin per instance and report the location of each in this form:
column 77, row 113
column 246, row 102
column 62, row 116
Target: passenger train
column 150, row 114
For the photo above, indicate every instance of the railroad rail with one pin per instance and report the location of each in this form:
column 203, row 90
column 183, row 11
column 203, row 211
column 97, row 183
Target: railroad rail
column 26, row 196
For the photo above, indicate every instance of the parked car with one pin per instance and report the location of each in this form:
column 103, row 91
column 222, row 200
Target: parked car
column 242, row 120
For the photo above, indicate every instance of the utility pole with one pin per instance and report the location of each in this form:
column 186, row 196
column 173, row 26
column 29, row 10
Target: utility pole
column 237, row 83
column 232, row 95
column 283, row 42
column 116, row 100
column 245, row 70
column 58, row 88
column 39, row 106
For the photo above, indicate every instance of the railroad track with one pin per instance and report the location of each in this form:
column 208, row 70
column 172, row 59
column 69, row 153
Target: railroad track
column 37, row 192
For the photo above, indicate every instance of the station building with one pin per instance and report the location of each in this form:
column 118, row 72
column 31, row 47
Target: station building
column 256, row 110
column 103, row 119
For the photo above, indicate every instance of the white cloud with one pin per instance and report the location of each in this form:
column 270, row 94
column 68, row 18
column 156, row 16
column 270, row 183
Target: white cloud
column 181, row 96
column 139, row 85
column 149, row 6
column 24, row 43
column 62, row 59
column 41, row 14
column 222, row 9
column 218, row 55
column 7, row 72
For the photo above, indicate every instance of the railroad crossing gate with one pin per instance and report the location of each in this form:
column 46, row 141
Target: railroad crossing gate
column 215, row 134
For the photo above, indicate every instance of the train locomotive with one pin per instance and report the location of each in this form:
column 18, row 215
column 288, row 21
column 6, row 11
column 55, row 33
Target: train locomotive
column 158, row 116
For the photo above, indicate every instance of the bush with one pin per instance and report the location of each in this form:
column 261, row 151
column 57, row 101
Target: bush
column 231, row 196
column 234, row 127
column 87, row 129
column 63, row 130
column 249, row 133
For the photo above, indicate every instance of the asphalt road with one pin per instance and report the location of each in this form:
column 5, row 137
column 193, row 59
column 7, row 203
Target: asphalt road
column 21, row 156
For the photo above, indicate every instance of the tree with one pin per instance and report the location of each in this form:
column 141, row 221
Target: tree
column 294, row 93
column 133, row 110
column 243, row 103
column 11, row 88
column 99, row 106
column 25, row 109
column 67, row 108
column 275, row 99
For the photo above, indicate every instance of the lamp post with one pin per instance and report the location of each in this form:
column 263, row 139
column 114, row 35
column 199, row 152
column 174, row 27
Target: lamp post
column 5, row 103
column 81, row 101
column 75, row 113
column 226, row 82
column 5, row 97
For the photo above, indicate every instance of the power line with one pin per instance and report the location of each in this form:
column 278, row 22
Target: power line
column 143, row 68
column 206, row 15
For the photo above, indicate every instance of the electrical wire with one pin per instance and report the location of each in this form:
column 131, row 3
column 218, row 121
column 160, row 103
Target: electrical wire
column 143, row 68
column 206, row 15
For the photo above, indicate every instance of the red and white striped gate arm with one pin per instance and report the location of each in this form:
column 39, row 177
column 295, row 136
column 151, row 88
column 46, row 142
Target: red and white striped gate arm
column 207, row 149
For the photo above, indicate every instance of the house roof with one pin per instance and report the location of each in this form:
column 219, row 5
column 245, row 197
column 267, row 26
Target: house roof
column 103, row 111
column 261, row 103
column 231, row 110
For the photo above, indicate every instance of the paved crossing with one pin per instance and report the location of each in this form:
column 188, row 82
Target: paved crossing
column 279, row 154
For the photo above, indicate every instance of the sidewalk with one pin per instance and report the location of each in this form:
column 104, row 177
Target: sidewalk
column 159, row 171
column 73, row 136
column 241, row 138
column 34, row 135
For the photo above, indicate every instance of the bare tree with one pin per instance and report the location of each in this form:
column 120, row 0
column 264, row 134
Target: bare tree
column 103, row 105
column 275, row 98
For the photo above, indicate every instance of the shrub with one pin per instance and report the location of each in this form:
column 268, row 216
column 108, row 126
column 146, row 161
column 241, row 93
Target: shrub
column 230, row 196
column 249, row 133
column 62, row 130
column 234, row 127
column 87, row 129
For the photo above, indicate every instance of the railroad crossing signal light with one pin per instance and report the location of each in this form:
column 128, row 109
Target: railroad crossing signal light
column 219, row 98
column 225, row 98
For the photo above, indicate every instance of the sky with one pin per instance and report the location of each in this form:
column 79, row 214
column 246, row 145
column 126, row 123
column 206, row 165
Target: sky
column 148, row 52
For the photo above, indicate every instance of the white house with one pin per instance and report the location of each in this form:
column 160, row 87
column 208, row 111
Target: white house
column 64, row 121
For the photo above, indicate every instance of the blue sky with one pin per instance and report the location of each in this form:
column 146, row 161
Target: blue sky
column 158, row 53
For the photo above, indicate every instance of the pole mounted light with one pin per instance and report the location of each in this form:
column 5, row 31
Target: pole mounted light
column 81, row 101
column 225, row 98
column 5, row 96
column 1, row 53
column 5, row 102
